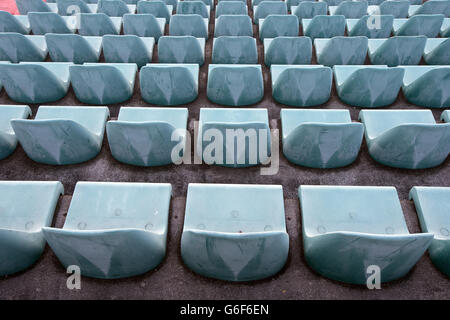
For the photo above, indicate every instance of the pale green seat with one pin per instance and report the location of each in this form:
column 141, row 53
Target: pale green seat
column 143, row 25
column 427, row 86
column 408, row 139
column 35, row 82
column 234, row 50
column 233, row 25
column 396, row 8
column 27, row 206
column 274, row 26
column 397, row 50
column 62, row 135
column 11, row 23
column 419, row 25
column 375, row 26
column 445, row 28
column 193, row 7
column 346, row 229
column 113, row 230
column 445, row 116
column 16, row 47
column 103, row 83
column 181, row 49
column 234, row 137
column 341, row 50
column 209, row 3
column 287, row 50
column 431, row 7
column 350, row 9
column 257, row 2
column 294, row 3
column 320, row 138
column 188, row 25
column 245, row 239
column 235, row 85
column 73, row 48
column 416, row 1
column 231, row 8
column 265, row 8
column 143, row 136
column 169, row 84
column 332, row 2
column 128, row 49
column 173, row 3
column 437, row 51
column 50, row 22
column 27, row 6
column 155, row 7
column 99, row 24
column 8, row 140
column 301, row 85
column 324, row 26
column 309, row 9
column 115, row 8
column 433, row 208
column 368, row 86
column 72, row 7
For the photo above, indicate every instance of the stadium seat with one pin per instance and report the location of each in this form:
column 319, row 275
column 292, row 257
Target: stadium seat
column 445, row 28
column 396, row 8
column 309, row 9
column 231, row 8
column 350, row 9
column 419, row 25
column 73, row 48
column 73, row 7
column 155, row 7
column 16, row 47
column 445, row 116
column 324, row 26
column 11, row 23
column 8, row 140
column 181, row 49
column 115, row 8
column 209, row 3
column 193, row 7
column 233, row 25
column 437, row 51
column 99, row 24
column 128, row 49
column 266, row 8
column 188, row 25
column 332, row 2
column 143, row 25
column 27, row 6
column 278, row 26
column 341, row 50
column 431, row 7
column 234, row 50
column 397, row 50
column 257, row 2
column 375, row 26
column 49, row 22
column 287, row 50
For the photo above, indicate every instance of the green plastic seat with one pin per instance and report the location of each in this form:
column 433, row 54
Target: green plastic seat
column 115, row 8
column 278, row 26
column 257, row 2
column 143, row 25
column 374, row 26
column 431, row 7
column 8, row 140
column 72, row 7
column 332, row 2
column 209, row 3
column 234, row 50
column 293, row 3
column 265, row 8
column 193, row 7
column 445, row 28
column 113, row 230
column 16, row 47
column 433, row 207
column 73, row 48
column 350, row 9
column 46, row 139
column 169, row 84
column 368, row 86
column 320, row 138
column 301, row 85
column 128, row 49
column 155, row 7
column 173, row 3
column 233, row 25
column 103, row 83
column 346, row 229
column 11, row 23
column 234, row 137
column 396, row 8
column 235, row 85
column 50, row 22
column 437, row 51
column 98, row 24
column 341, row 50
column 188, row 25
column 408, row 139
column 427, row 86
column 246, row 238
column 143, row 136
column 445, row 116
column 419, row 25
column 231, row 8
column 35, row 82
column 324, row 26
column 27, row 6
column 287, row 50
column 397, row 50
column 27, row 206
column 181, row 49
column 309, row 9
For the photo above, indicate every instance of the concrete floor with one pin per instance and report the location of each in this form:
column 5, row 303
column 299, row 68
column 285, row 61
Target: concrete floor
column 172, row 280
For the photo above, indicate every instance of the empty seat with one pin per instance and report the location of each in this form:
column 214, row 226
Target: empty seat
column 113, row 230
column 73, row 7
column 8, row 140
column 341, row 50
column 333, row 2
column 231, row 7
column 235, row 85
column 373, row 26
column 193, row 7
column 265, row 8
column 347, row 229
column 278, row 26
column 320, row 138
column 16, row 47
column 49, row 22
column 233, row 25
column 350, row 9
column 155, row 7
column 103, row 83
column 246, row 238
column 287, row 50
column 445, row 28
column 35, row 82
column 396, row 8
column 234, row 137
column 324, row 26
column 419, row 25
column 431, row 7
column 10, row 23
column 432, row 206
column 256, row 2
column 188, row 25
column 98, row 24
column 27, row 206
column 427, row 86
column 368, row 86
column 27, row 6
column 209, row 3
column 234, row 50
column 128, row 49
column 292, row 3
column 73, row 48
column 445, row 116
column 169, row 84
column 146, row 136
column 309, row 9
column 437, row 51
column 173, row 3
column 62, row 135
column 143, row 25
column 115, row 8
column 397, row 50
column 181, row 49
column 408, row 139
